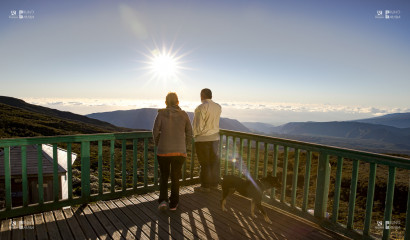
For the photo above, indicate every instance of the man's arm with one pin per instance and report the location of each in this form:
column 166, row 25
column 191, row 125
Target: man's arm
column 198, row 123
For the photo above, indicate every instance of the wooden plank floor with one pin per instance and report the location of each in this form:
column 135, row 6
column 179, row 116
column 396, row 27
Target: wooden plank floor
column 199, row 216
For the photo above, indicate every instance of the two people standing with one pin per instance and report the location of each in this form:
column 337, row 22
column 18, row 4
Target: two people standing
column 172, row 134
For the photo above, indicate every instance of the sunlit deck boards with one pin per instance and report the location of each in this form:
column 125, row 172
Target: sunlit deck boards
column 199, row 217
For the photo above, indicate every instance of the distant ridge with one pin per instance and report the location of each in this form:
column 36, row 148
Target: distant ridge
column 399, row 120
column 15, row 102
column 357, row 135
column 144, row 119
column 258, row 127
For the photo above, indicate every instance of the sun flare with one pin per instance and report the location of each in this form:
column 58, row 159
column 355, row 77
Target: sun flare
column 164, row 65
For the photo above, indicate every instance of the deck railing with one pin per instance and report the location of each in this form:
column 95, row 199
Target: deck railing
column 234, row 146
column 133, row 142
column 233, row 158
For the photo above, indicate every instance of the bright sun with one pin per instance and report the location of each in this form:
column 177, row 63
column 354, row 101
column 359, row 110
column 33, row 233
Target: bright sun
column 164, row 65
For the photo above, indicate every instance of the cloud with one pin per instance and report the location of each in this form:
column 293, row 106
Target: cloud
column 245, row 111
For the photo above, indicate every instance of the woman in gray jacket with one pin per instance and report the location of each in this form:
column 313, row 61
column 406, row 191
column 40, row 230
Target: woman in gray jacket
column 172, row 133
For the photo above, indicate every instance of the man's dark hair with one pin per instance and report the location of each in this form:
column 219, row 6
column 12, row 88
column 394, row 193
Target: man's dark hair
column 206, row 93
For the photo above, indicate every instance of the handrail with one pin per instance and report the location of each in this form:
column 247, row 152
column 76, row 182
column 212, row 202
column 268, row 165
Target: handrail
column 136, row 149
column 368, row 156
column 229, row 156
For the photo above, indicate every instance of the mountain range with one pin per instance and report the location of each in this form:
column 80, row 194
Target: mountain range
column 399, row 120
column 144, row 119
column 385, row 134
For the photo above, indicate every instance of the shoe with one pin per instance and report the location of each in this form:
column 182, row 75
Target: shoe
column 214, row 187
column 173, row 208
column 163, row 206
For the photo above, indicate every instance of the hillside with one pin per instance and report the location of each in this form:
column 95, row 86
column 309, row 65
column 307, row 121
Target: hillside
column 399, row 120
column 258, row 127
column 17, row 122
column 347, row 130
column 18, row 103
column 144, row 119
column 364, row 136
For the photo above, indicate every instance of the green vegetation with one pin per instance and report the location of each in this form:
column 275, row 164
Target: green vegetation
column 17, row 122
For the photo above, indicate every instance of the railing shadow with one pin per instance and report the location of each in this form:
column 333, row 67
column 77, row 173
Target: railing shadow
column 199, row 216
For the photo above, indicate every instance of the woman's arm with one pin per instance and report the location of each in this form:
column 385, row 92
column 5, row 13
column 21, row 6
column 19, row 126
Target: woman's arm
column 156, row 131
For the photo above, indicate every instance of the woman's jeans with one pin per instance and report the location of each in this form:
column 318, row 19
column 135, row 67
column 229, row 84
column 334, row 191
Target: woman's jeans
column 169, row 165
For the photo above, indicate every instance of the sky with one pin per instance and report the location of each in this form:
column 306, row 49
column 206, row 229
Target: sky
column 266, row 61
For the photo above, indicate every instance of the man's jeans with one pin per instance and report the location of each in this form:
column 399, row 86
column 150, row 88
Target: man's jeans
column 207, row 153
column 167, row 165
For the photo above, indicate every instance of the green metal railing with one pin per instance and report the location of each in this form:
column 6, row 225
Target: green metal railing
column 233, row 146
column 85, row 141
column 231, row 156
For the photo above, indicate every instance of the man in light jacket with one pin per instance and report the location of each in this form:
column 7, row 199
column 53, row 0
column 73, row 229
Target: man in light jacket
column 206, row 135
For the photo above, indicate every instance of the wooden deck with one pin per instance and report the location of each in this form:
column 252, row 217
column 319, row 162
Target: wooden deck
column 199, row 216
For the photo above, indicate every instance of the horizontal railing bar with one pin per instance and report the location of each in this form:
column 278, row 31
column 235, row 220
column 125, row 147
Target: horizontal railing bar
column 7, row 142
column 331, row 150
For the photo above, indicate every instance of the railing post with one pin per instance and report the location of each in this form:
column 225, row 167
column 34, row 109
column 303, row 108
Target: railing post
column 56, row 188
column 7, row 177
column 134, row 163
column 227, row 155
column 370, row 198
column 322, row 186
column 145, row 162
column 295, row 177
column 70, row 171
column 338, row 182
column 389, row 202
column 40, row 174
column 85, row 170
column 352, row 195
column 221, row 143
column 275, row 166
column 24, row 175
column 234, row 155
column 100, row 163
column 306, row 181
column 112, row 166
column 241, row 157
column 193, row 160
column 407, row 227
column 284, row 174
column 256, row 171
